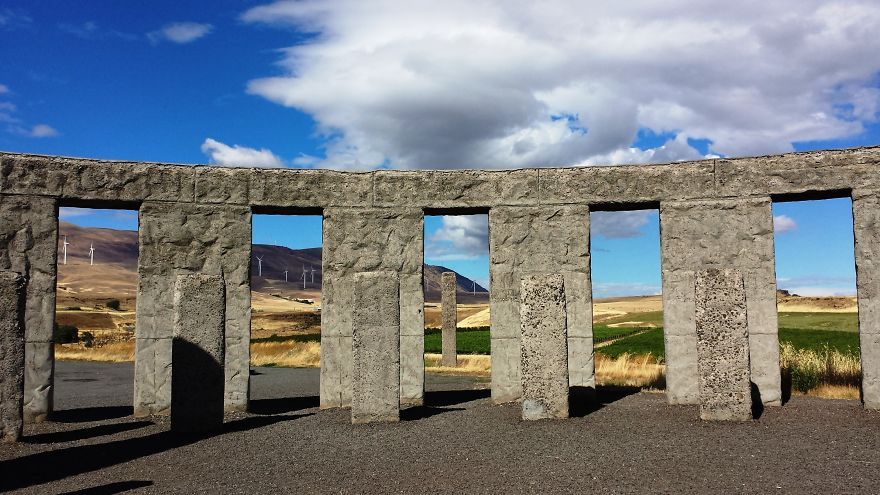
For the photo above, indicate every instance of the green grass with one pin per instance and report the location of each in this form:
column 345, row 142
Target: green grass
column 815, row 340
column 650, row 342
column 846, row 322
column 310, row 337
column 601, row 333
column 467, row 341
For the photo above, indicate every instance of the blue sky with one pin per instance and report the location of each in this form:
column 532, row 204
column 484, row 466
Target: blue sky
column 346, row 85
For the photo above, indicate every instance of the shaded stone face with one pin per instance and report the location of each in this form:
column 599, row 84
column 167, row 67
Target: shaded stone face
column 12, row 329
column 376, row 348
column 449, row 309
column 722, row 345
column 544, row 349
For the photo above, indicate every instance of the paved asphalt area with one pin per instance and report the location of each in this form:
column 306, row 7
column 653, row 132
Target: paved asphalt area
column 459, row 443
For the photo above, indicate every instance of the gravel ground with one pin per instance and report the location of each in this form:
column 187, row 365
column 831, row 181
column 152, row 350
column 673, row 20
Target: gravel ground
column 459, row 443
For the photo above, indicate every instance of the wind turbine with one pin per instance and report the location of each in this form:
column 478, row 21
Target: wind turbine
column 65, row 249
column 304, row 277
column 313, row 274
column 285, row 276
column 92, row 254
column 259, row 266
column 475, row 287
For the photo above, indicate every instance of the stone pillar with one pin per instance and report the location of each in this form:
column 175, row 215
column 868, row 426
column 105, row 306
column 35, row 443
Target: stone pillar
column 544, row 347
column 181, row 239
column 866, row 223
column 197, row 350
column 363, row 240
column 698, row 235
column 536, row 240
column 28, row 245
column 376, row 348
column 722, row 345
column 12, row 328
column 449, row 308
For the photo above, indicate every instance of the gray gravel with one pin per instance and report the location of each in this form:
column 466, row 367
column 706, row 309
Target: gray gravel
column 458, row 444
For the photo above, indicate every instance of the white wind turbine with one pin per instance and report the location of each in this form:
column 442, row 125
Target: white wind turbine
column 259, row 266
column 285, row 276
column 91, row 254
column 65, row 244
column 313, row 274
column 304, row 277
column 475, row 287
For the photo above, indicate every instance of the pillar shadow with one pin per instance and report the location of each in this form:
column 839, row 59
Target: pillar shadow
column 53, row 465
column 283, row 405
column 586, row 400
column 421, row 412
column 197, row 385
column 112, row 488
column 786, row 386
column 87, row 414
column 453, row 397
column 84, row 433
column 757, row 403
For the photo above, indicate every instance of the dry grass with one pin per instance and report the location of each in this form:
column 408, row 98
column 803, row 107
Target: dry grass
column 468, row 364
column 825, row 373
column 289, row 354
column 115, row 352
column 630, row 371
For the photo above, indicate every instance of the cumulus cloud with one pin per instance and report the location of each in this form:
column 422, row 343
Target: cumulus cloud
column 512, row 83
column 42, row 130
column 180, row 32
column 459, row 237
column 783, row 224
column 239, row 156
column 619, row 224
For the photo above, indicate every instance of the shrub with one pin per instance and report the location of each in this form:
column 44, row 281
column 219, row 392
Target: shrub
column 113, row 304
column 66, row 334
column 87, row 339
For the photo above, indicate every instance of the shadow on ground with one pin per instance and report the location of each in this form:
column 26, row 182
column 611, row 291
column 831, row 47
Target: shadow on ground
column 283, row 405
column 586, row 400
column 88, row 414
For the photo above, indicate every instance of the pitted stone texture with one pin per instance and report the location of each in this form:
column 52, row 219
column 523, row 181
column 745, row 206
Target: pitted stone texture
column 12, row 308
column 538, row 240
column 364, row 240
column 544, row 349
column 722, row 345
column 309, row 188
column 449, row 313
column 197, row 353
column 698, row 235
column 456, row 189
column 180, row 239
column 866, row 221
column 28, row 236
column 376, row 348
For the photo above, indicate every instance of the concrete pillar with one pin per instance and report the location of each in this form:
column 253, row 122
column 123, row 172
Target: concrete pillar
column 28, row 245
column 544, row 347
column 376, row 348
column 449, row 308
column 722, row 345
column 698, row 235
column 866, row 222
column 536, row 240
column 197, row 353
column 362, row 240
column 12, row 328
column 181, row 239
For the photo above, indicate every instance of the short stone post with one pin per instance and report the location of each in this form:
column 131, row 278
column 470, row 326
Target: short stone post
column 376, row 348
column 544, row 347
column 449, row 308
column 12, row 301
column 197, row 353
column 722, row 345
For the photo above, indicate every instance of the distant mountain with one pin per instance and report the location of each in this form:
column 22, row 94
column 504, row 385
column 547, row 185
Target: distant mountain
column 116, row 254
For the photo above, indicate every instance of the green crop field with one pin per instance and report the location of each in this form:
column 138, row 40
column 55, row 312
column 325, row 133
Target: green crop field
column 847, row 322
column 467, row 341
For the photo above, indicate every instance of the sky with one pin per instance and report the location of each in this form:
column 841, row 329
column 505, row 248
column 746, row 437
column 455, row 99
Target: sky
column 457, row 84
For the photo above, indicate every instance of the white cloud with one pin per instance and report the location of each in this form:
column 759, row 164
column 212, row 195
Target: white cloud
column 783, row 224
column 819, row 285
column 42, row 130
column 90, row 30
column 619, row 224
column 180, row 32
column 459, row 237
column 65, row 213
column 4, row 89
column 239, row 156
column 488, row 84
column 622, row 289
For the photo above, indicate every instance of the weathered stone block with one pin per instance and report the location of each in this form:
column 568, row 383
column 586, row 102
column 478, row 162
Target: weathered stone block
column 505, row 373
column 197, row 376
column 222, row 185
column 412, row 370
column 449, row 313
column 456, row 189
column 288, row 188
column 682, row 385
column 544, row 347
column 12, row 349
column 581, row 365
column 869, row 347
column 722, row 345
column 376, row 348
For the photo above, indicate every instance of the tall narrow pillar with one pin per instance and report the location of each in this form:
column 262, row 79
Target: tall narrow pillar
column 544, row 348
column 699, row 235
column 376, row 348
column 722, row 345
column 539, row 240
column 12, row 327
column 449, row 309
column 363, row 240
column 197, row 353
column 28, row 245
column 866, row 223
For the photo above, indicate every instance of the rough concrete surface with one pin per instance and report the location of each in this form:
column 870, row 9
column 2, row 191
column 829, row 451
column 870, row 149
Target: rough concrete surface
column 12, row 301
column 197, row 351
column 375, row 348
column 866, row 218
column 722, row 345
column 544, row 347
column 449, row 310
